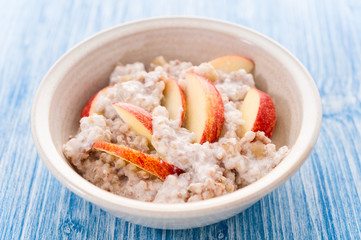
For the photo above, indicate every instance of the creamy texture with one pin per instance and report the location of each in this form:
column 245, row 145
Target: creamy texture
column 211, row 169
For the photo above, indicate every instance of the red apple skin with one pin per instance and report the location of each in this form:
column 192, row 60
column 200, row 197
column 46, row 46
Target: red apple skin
column 88, row 108
column 266, row 116
column 171, row 81
column 264, row 119
column 215, row 109
column 216, row 118
column 153, row 165
column 183, row 98
column 139, row 113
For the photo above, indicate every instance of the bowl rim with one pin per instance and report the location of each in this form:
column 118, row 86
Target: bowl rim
column 310, row 124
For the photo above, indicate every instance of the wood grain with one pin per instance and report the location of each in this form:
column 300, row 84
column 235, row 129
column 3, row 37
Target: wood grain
column 322, row 200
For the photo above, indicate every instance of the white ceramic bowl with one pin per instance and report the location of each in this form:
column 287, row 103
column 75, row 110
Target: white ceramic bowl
column 83, row 70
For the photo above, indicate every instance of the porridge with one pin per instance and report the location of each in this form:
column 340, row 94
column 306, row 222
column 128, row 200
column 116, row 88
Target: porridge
column 175, row 132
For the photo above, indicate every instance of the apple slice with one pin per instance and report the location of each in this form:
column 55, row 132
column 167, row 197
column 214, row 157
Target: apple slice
column 231, row 63
column 258, row 113
column 89, row 108
column 205, row 110
column 174, row 100
column 136, row 117
column 153, row 165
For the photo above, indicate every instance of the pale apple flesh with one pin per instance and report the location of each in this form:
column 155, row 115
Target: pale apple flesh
column 151, row 164
column 231, row 63
column 136, row 117
column 174, row 100
column 89, row 108
column 205, row 110
column 258, row 113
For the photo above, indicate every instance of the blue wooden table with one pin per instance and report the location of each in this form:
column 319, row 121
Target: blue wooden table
column 322, row 200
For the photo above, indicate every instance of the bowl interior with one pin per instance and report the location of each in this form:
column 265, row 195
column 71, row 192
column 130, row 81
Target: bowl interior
column 89, row 72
